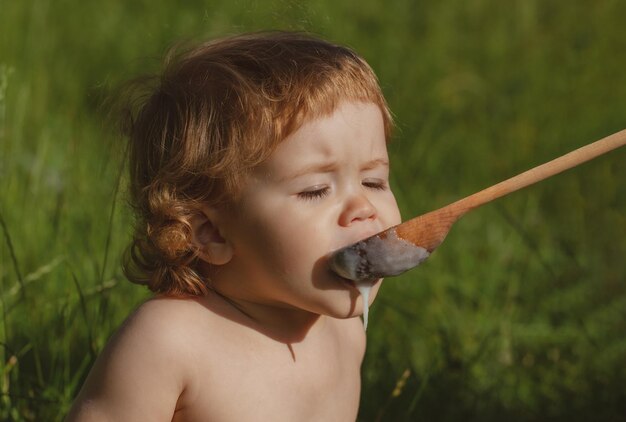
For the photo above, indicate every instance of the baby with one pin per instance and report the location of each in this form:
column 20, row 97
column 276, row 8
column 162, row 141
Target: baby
column 252, row 158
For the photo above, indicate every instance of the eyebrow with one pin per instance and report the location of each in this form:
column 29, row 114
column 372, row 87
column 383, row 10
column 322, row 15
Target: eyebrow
column 328, row 167
column 310, row 169
column 375, row 163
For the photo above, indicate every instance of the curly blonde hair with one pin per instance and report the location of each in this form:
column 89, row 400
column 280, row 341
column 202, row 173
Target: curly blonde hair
column 216, row 111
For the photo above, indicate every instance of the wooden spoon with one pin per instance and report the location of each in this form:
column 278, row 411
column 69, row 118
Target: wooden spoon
column 402, row 247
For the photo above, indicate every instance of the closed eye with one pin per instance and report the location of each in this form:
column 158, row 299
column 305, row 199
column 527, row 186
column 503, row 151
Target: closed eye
column 315, row 193
column 376, row 184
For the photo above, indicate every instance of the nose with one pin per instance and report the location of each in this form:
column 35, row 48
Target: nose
column 357, row 208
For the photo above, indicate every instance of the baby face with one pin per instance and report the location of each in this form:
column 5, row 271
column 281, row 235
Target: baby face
column 325, row 186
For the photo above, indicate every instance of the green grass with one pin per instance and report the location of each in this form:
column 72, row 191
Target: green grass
column 521, row 313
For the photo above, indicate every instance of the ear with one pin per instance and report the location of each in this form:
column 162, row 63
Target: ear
column 212, row 247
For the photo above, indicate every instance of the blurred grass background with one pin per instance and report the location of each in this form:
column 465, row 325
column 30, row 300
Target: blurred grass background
column 520, row 315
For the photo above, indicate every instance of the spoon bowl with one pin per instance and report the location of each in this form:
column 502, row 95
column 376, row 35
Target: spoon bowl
column 405, row 246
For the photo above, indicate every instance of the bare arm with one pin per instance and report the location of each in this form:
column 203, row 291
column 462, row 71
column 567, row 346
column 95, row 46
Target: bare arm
column 139, row 375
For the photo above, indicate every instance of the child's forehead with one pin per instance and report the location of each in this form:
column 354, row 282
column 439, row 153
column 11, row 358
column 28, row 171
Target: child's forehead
column 347, row 114
column 353, row 128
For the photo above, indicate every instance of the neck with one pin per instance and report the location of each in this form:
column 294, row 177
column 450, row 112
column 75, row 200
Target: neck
column 284, row 324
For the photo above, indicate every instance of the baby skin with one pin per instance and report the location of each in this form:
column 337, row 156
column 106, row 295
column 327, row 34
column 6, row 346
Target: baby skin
column 277, row 338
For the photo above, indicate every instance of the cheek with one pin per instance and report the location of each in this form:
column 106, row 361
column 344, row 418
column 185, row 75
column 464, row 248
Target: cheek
column 300, row 241
column 390, row 214
column 284, row 240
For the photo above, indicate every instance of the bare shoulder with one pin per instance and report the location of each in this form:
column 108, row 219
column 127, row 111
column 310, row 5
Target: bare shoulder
column 162, row 327
column 143, row 369
column 165, row 316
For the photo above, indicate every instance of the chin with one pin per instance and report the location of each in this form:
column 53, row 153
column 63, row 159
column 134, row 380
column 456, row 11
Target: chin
column 348, row 306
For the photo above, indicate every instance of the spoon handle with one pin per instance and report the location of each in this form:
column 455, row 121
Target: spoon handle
column 539, row 173
column 429, row 230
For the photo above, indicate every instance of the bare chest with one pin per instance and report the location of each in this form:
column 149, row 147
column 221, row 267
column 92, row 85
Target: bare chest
column 276, row 384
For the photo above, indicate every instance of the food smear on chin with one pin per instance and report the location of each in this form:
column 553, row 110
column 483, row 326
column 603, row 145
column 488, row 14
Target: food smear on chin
column 364, row 289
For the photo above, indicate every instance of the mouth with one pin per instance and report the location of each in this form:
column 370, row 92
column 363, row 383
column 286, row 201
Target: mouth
column 342, row 277
column 342, row 280
column 351, row 284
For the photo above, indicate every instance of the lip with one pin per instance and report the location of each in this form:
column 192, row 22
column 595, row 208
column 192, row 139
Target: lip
column 351, row 284
column 346, row 281
column 357, row 239
column 339, row 281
